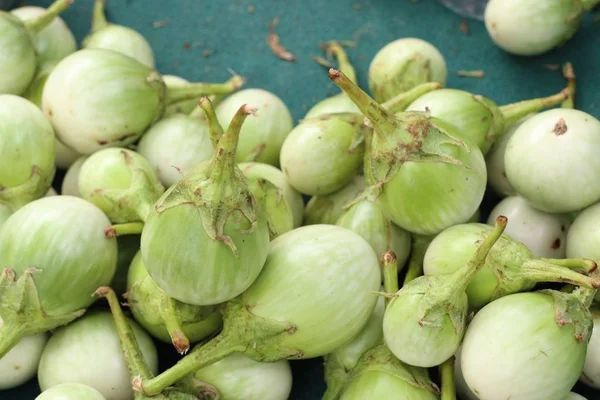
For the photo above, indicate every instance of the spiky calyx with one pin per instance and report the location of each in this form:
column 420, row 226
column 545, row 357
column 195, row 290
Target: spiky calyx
column 218, row 188
column 21, row 313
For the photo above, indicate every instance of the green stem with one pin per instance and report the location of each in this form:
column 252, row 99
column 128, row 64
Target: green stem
column 589, row 4
column 569, row 74
column 216, row 130
column 588, row 266
column 382, row 120
column 514, row 112
column 131, row 228
column 35, row 25
column 390, row 273
column 540, row 271
column 198, row 113
column 447, row 379
column 169, row 316
column 344, row 64
column 458, row 281
column 99, row 17
column 196, row 90
column 335, row 377
column 200, row 357
column 133, row 356
column 223, row 162
column 415, row 263
column 401, row 101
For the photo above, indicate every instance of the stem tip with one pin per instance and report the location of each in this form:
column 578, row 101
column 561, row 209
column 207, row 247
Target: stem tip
column 136, row 384
column 248, row 109
column 502, row 221
column 389, row 257
column 110, row 232
column 102, row 291
column 334, row 74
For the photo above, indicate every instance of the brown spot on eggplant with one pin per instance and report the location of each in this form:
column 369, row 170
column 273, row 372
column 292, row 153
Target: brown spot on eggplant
column 555, row 243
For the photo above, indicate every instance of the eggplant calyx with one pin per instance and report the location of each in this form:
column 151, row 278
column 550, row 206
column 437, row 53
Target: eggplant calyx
column 33, row 188
column 218, row 188
column 21, row 313
column 570, row 310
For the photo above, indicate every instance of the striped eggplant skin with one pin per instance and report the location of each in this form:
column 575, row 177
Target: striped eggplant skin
column 321, row 279
column 17, row 56
column 276, row 177
column 371, row 334
column 329, row 208
column 515, row 348
column 55, row 41
column 375, row 384
column 175, row 145
column 97, row 98
column 26, row 150
column 263, row 134
column 551, row 160
column 121, row 39
column 71, row 391
column 63, row 236
column 320, row 156
column 238, row 377
column 366, row 218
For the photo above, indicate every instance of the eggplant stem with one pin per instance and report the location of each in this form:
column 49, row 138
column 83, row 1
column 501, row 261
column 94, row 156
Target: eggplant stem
column 99, row 17
column 401, row 101
column 223, row 162
column 417, row 255
column 35, row 25
column 589, row 266
column 459, row 280
column 447, row 379
column 135, row 361
column 173, row 324
column 196, row 90
column 131, row 228
column 514, row 112
column 216, row 130
column 343, row 61
column 569, row 75
column 390, row 273
column 381, row 119
column 541, row 271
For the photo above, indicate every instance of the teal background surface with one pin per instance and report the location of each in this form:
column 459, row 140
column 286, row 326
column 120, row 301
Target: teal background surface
column 202, row 39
